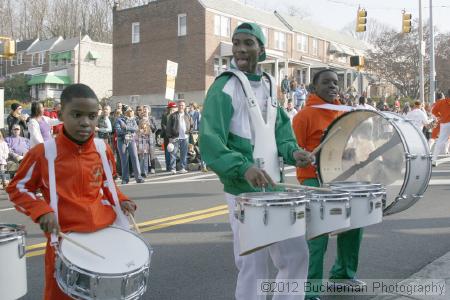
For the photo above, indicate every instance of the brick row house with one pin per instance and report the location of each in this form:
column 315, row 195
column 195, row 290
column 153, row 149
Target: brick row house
column 53, row 64
column 197, row 35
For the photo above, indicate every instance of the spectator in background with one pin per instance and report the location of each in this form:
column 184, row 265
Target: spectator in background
column 195, row 116
column 18, row 147
column 179, row 127
column 406, row 109
column 417, row 116
column 53, row 114
column 40, row 126
column 16, row 117
column 146, row 142
column 300, row 96
column 104, row 126
column 285, row 88
column 116, row 115
column 171, row 108
column 4, row 153
column 292, row 88
column 290, row 110
column 126, row 128
column 363, row 104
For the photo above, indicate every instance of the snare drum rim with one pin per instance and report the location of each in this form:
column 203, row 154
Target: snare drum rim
column 17, row 232
column 275, row 204
column 246, row 199
column 150, row 253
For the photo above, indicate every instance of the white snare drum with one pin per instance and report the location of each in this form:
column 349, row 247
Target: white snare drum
column 327, row 212
column 366, row 202
column 267, row 218
column 13, row 270
column 122, row 275
column 379, row 147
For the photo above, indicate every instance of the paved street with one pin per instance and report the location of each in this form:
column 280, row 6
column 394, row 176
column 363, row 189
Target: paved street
column 184, row 219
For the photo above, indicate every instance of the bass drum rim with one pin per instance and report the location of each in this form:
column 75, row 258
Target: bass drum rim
column 387, row 208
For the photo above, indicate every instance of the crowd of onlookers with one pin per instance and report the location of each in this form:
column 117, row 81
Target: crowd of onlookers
column 131, row 131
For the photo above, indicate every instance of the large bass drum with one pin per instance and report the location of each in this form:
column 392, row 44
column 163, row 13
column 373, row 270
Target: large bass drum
column 379, row 147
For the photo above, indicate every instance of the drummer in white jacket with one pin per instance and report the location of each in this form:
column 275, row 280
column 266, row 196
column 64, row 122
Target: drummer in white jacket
column 40, row 126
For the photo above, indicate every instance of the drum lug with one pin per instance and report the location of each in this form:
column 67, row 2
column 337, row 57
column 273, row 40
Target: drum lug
column 21, row 247
column 95, row 282
column 239, row 213
column 348, row 210
column 427, row 156
column 370, row 206
column 410, row 156
column 125, row 284
column 322, row 210
column 266, row 216
column 293, row 216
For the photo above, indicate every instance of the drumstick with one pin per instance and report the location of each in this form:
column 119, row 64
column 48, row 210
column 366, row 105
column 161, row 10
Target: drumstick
column 329, row 136
column 296, row 186
column 135, row 225
column 66, row 237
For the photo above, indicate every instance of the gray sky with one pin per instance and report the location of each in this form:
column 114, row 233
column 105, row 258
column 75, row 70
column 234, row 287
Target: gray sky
column 336, row 14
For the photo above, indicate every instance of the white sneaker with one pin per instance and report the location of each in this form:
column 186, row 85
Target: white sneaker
column 183, row 171
column 173, row 172
column 152, row 171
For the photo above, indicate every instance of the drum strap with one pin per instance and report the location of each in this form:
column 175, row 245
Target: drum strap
column 121, row 219
column 265, row 146
column 50, row 155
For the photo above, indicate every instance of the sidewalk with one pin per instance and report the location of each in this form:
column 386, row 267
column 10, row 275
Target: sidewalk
column 436, row 270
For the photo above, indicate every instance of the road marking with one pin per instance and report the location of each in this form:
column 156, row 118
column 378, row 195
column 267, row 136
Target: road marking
column 160, row 223
column 7, row 209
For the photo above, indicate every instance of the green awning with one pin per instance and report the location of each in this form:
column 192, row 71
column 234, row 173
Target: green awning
column 61, row 55
column 93, row 55
column 38, row 79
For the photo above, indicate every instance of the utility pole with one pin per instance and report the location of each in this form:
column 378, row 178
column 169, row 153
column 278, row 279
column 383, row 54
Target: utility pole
column 79, row 56
column 432, row 63
column 421, row 55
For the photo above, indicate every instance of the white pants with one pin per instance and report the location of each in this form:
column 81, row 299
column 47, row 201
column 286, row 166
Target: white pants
column 290, row 257
column 444, row 134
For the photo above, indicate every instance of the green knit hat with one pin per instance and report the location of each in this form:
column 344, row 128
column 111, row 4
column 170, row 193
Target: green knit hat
column 255, row 30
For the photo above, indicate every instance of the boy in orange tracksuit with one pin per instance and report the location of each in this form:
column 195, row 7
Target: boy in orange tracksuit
column 309, row 125
column 84, row 198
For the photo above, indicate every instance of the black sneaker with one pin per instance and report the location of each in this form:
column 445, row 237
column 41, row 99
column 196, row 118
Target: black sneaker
column 140, row 180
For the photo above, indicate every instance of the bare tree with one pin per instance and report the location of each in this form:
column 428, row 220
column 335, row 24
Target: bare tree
column 374, row 29
column 443, row 62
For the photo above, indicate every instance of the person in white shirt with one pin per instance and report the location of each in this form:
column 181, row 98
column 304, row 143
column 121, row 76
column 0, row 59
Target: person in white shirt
column 363, row 104
column 290, row 110
column 417, row 116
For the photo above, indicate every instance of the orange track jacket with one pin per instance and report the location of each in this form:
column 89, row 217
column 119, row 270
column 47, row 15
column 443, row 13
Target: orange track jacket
column 308, row 125
column 441, row 110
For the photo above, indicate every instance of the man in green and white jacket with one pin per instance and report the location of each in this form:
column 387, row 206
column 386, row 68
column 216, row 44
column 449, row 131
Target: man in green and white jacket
column 236, row 129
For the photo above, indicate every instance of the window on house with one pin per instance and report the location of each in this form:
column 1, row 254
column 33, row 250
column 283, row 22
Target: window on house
column 182, row 25
column 12, row 62
column 41, row 58
column 280, row 40
column 53, row 86
column 315, row 47
column 222, row 26
column 302, row 43
column 41, row 86
column 135, row 33
column 221, row 64
column 20, row 58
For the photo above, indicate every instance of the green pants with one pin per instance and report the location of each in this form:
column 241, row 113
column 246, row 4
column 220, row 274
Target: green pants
column 346, row 263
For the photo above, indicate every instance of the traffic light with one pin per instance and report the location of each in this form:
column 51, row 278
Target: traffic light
column 9, row 47
column 406, row 24
column 361, row 20
column 357, row 61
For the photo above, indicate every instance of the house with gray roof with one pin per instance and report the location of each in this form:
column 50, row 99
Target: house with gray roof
column 17, row 64
column 66, row 66
column 197, row 35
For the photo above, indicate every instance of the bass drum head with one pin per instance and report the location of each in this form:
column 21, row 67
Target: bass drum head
column 366, row 147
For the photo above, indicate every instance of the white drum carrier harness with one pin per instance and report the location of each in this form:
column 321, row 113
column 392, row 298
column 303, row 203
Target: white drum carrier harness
column 50, row 155
column 265, row 146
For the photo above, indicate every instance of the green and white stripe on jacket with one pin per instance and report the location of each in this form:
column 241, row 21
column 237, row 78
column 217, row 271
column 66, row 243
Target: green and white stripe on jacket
column 226, row 135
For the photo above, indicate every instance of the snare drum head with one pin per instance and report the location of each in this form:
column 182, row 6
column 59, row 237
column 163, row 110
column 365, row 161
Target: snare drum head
column 367, row 147
column 123, row 251
column 270, row 197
